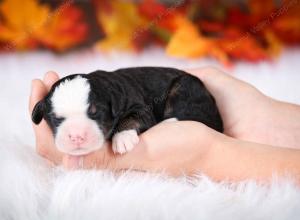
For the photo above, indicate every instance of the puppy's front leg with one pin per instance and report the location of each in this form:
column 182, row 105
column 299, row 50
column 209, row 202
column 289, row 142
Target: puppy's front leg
column 124, row 141
column 128, row 130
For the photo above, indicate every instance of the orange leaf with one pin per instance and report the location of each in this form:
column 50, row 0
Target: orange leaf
column 65, row 29
column 187, row 41
column 21, row 21
column 121, row 24
column 244, row 48
column 287, row 28
column 261, row 9
column 28, row 24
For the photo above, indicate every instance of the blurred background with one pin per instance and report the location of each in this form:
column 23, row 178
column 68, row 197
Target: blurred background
column 257, row 41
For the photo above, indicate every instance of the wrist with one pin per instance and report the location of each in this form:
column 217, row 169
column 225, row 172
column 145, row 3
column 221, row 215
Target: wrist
column 271, row 122
column 218, row 158
column 181, row 147
column 206, row 158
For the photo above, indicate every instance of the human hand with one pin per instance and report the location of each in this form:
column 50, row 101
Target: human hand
column 168, row 145
column 250, row 115
column 176, row 148
column 45, row 145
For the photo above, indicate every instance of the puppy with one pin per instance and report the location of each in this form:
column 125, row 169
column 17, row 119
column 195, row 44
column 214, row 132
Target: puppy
column 85, row 110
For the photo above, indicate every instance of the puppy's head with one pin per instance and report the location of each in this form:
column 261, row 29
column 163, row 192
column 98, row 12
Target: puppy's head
column 79, row 118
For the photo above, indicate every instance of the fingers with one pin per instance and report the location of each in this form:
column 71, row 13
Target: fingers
column 73, row 162
column 101, row 159
column 45, row 145
column 105, row 158
column 50, row 78
column 210, row 74
column 156, row 147
column 202, row 71
column 214, row 78
column 39, row 89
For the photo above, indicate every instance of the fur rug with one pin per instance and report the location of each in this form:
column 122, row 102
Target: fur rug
column 30, row 189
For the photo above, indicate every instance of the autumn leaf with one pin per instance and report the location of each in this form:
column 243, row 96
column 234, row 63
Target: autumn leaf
column 151, row 9
column 260, row 9
column 187, row 41
column 254, row 30
column 65, row 29
column 287, row 28
column 121, row 25
column 21, row 20
column 274, row 44
column 158, row 15
column 28, row 24
column 253, row 12
column 245, row 48
column 238, row 18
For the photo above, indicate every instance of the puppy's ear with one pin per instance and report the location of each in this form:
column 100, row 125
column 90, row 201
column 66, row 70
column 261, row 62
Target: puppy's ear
column 115, row 104
column 38, row 112
column 114, row 109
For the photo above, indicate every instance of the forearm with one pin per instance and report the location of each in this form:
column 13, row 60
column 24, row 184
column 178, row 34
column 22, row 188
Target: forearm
column 289, row 117
column 283, row 120
column 218, row 156
column 236, row 160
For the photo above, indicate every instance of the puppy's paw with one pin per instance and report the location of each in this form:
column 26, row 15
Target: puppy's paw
column 124, row 141
column 169, row 120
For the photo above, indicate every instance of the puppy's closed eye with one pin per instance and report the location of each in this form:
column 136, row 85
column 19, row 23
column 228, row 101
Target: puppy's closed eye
column 56, row 121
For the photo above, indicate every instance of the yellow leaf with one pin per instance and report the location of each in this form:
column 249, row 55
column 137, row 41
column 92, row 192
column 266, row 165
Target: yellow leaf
column 274, row 44
column 22, row 18
column 119, row 25
column 187, row 41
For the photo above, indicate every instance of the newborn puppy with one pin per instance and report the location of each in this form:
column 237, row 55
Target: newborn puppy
column 85, row 110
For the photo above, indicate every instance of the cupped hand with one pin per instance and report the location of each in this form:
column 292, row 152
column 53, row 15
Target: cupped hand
column 173, row 147
column 247, row 113
column 43, row 135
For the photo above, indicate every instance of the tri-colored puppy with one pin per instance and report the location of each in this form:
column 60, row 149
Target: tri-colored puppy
column 85, row 110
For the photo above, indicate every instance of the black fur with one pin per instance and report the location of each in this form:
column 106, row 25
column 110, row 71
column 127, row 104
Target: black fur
column 138, row 98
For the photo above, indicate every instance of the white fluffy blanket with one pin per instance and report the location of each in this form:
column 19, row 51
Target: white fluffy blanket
column 30, row 189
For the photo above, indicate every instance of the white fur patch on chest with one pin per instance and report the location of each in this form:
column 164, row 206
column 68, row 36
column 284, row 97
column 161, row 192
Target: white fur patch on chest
column 71, row 97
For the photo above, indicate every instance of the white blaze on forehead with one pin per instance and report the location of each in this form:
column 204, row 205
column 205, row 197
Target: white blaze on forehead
column 71, row 96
